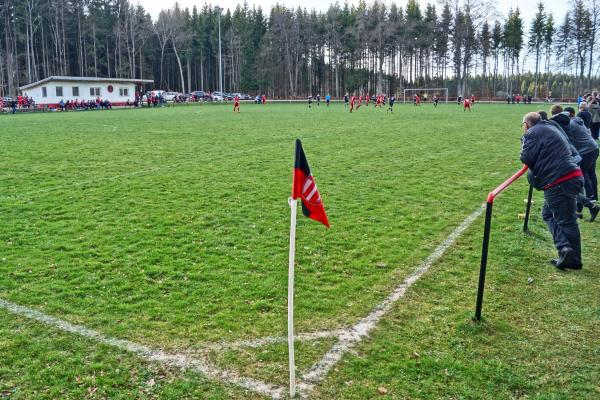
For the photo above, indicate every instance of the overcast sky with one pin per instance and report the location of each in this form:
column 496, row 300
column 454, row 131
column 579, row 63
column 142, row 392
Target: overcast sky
column 527, row 7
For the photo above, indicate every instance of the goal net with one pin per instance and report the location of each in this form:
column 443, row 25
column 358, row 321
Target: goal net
column 426, row 94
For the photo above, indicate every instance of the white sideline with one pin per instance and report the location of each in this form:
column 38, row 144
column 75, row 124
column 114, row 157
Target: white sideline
column 351, row 337
column 156, row 355
column 347, row 338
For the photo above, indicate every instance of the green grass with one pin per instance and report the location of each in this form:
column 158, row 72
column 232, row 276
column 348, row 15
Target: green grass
column 169, row 227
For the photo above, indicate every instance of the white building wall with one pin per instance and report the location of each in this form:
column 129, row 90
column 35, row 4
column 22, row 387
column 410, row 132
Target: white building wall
column 84, row 92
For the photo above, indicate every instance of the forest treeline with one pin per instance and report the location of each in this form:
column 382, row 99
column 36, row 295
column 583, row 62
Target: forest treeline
column 464, row 45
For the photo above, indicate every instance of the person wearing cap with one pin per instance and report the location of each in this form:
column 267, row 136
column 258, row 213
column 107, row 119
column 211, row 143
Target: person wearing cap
column 553, row 170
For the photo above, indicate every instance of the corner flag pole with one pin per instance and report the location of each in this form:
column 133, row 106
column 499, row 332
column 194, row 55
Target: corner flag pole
column 293, row 206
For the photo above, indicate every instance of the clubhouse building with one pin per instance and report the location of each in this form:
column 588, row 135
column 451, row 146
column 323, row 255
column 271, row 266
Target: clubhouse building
column 50, row 91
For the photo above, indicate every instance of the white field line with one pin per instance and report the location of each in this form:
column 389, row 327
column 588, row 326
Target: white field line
column 347, row 338
column 351, row 337
column 114, row 128
column 268, row 340
column 156, row 355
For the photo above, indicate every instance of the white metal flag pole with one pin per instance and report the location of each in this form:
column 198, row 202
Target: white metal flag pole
column 293, row 206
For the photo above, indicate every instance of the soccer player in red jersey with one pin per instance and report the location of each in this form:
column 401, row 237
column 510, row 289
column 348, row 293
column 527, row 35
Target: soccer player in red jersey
column 467, row 104
column 352, row 100
column 360, row 99
column 367, row 98
column 236, row 104
column 472, row 99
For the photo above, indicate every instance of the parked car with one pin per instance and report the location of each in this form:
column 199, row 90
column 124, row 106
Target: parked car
column 171, row 96
column 159, row 93
column 152, row 93
column 218, row 96
column 242, row 96
column 200, row 95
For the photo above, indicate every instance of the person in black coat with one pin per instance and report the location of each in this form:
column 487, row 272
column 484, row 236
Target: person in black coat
column 585, row 115
column 553, row 170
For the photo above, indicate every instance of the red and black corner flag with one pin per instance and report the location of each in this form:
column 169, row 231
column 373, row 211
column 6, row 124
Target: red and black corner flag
column 305, row 188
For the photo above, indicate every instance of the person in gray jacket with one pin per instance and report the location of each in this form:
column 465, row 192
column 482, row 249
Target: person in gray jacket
column 547, row 153
column 594, row 109
column 587, row 147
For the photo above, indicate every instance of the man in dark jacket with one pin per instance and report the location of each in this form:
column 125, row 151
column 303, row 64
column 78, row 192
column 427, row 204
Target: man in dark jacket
column 587, row 147
column 552, row 169
column 584, row 114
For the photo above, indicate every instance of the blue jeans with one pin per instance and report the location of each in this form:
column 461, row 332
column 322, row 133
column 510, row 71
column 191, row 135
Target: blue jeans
column 560, row 204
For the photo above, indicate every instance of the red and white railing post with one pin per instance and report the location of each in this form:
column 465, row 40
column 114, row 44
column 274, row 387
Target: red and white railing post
column 486, row 233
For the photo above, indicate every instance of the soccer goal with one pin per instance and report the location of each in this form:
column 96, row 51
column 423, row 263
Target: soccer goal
column 427, row 94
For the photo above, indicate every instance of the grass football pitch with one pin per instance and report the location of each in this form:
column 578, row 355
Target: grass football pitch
column 168, row 228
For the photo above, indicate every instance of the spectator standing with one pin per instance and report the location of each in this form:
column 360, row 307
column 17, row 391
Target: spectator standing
column 588, row 150
column 553, row 170
column 585, row 115
column 594, row 110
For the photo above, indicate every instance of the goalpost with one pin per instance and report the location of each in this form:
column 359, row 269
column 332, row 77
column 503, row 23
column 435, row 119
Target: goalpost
column 429, row 91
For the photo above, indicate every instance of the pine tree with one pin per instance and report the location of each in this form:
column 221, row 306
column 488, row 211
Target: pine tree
column 582, row 29
column 485, row 46
column 549, row 32
column 496, row 46
column 536, row 40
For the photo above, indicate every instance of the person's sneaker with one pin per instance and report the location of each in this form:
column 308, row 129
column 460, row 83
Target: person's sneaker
column 594, row 213
column 578, row 215
column 567, row 258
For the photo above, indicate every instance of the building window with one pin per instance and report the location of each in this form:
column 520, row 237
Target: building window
column 95, row 91
column 124, row 92
column 44, row 91
column 75, row 91
column 59, row 91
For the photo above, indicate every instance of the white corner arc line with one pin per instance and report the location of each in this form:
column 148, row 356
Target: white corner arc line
column 268, row 340
column 347, row 338
column 156, row 355
column 351, row 337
